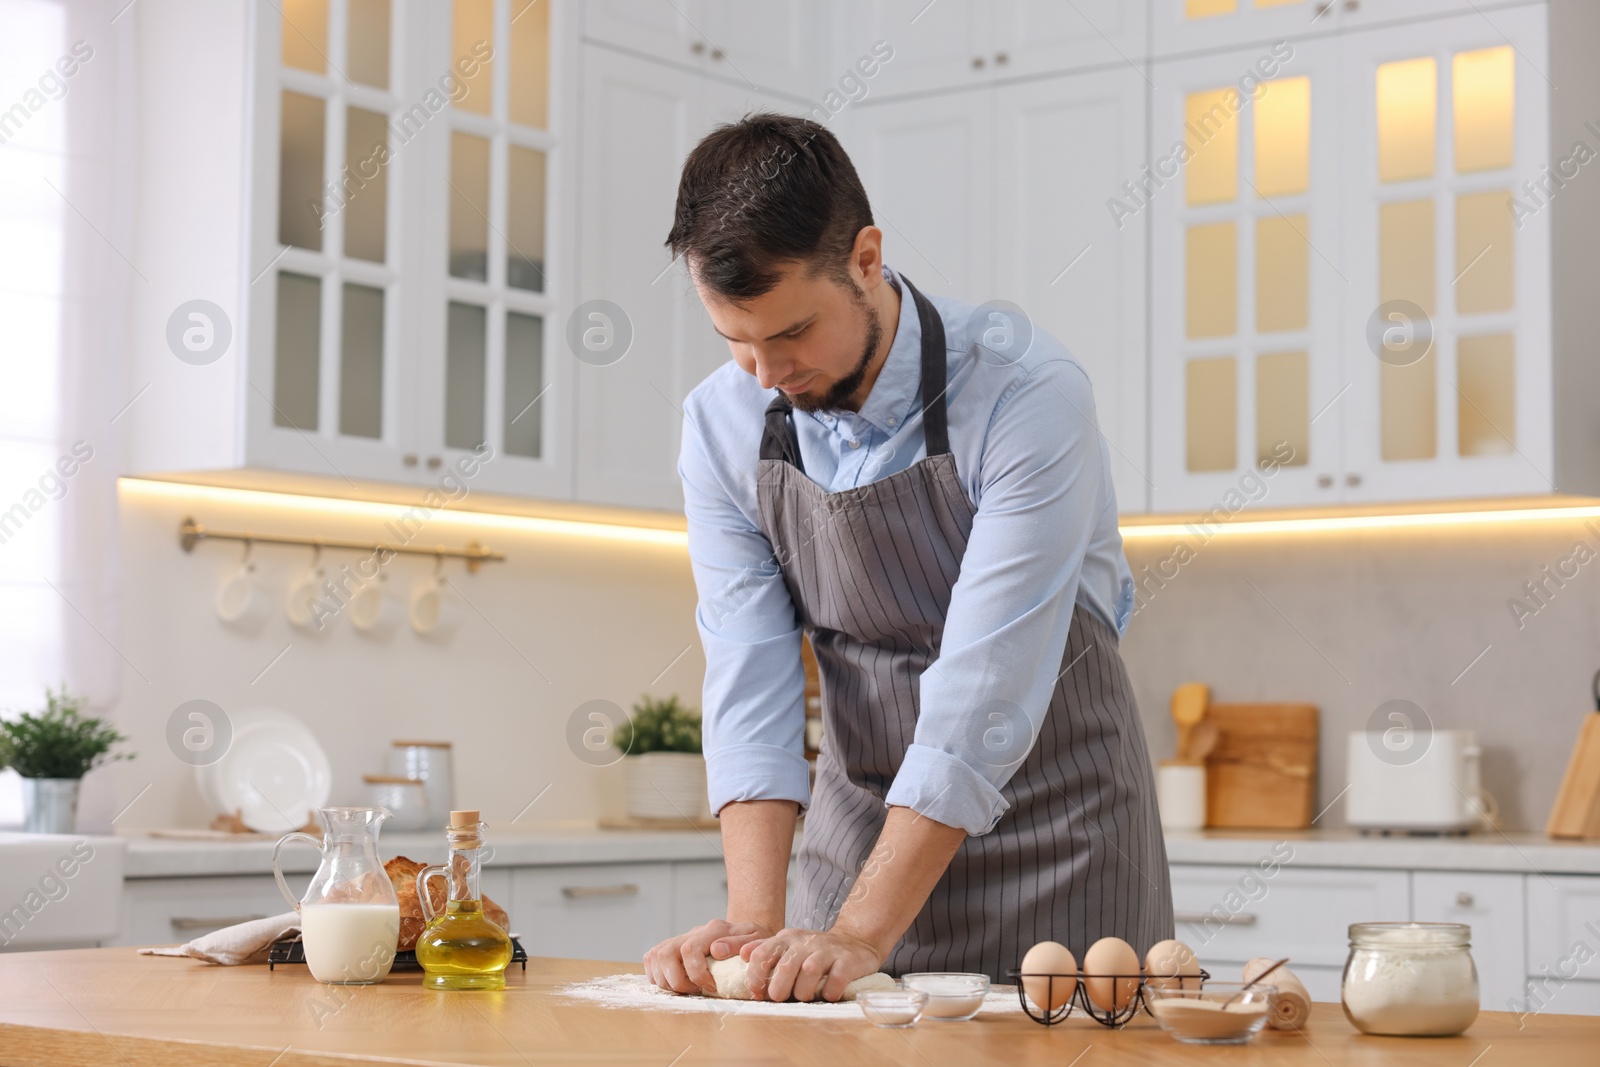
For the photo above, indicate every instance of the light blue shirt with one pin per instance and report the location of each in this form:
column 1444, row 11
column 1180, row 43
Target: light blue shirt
column 1033, row 464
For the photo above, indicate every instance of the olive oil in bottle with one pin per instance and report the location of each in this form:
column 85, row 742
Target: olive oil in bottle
column 461, row 948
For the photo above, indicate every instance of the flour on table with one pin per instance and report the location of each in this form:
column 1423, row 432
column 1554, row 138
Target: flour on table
column 637, row 991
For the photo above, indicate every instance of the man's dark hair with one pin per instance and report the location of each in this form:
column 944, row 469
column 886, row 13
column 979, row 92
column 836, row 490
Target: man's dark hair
column 763, row 192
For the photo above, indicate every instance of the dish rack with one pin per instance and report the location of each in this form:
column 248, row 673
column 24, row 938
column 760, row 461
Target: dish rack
column 292, row 950
column 1080, row 996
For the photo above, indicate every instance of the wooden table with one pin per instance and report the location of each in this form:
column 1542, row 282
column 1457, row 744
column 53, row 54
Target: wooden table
column 111, row 1006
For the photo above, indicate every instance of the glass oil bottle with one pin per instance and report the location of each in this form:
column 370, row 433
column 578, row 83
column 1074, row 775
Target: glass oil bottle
column 461, row 948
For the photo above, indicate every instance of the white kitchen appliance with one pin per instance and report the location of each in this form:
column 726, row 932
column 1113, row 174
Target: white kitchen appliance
column 1431, row 786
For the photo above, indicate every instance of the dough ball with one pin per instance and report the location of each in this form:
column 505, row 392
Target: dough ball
column 732, row 976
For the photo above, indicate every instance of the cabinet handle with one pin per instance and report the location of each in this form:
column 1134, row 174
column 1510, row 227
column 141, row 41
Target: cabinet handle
column 977, row 62
column 1001, row 59
column 1200, row 918
column 1324, row 481
column 434, row 462
column 580, row 892
column 1352, row 479
column 1322, row 9
column 716, row 54
column 1464, row 899
column 409, row 459
column 181, row 922
column 697, row 47
column 1352, row 5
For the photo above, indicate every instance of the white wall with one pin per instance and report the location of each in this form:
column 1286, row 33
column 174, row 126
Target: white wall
column 563, row 621
column 1396, row 614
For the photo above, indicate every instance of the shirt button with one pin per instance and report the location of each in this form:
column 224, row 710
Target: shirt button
column 855, row 443
column 893, row 422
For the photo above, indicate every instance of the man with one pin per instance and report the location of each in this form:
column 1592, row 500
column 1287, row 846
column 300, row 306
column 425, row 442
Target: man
column 938, row 517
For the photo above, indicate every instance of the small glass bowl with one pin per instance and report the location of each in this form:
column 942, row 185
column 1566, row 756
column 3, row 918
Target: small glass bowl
column 952, row 996
column 894, row 1008
column 1197, row 1016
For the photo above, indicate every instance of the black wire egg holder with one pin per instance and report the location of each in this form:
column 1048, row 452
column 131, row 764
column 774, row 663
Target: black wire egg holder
column 1111, row 1017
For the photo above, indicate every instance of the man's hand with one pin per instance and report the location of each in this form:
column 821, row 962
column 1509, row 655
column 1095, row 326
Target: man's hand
column 679, row 963
column 808, row 964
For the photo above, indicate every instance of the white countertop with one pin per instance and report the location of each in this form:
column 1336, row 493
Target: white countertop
column 554, row 844
column 1516, row 853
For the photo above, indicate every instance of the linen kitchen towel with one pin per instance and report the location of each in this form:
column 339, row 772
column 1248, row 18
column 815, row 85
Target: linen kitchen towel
column 245, row 943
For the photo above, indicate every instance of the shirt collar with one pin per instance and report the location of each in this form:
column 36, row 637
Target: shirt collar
column 900, row 377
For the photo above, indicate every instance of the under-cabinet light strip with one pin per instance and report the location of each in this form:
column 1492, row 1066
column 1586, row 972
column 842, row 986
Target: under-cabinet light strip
column 1134, row 531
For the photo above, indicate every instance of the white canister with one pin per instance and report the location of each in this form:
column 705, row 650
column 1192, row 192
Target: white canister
column 430, row 761
column 666, row 785
column 1181, row 795
column 406, row 799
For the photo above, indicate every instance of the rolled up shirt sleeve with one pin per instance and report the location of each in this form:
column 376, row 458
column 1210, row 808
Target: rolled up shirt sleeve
column 1043, row 489
column 753, row 733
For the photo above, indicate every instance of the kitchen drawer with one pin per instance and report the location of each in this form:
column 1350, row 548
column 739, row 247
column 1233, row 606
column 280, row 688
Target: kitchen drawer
column 1563, row 927
column 1233, row 914
column 699, row 894
column 170, row 911
column 603, row 911
column 1492, row 905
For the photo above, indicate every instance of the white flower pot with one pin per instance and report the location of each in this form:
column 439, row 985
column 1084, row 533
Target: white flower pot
column 49, row 805
column 667, row 785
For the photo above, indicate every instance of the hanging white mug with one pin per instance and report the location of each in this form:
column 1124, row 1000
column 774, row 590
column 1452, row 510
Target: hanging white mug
column 434, row 611
column 240, row 600
column 300, row 604
column 373, row 611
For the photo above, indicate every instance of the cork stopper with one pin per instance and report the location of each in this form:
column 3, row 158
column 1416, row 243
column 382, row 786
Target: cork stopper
column 463, row 828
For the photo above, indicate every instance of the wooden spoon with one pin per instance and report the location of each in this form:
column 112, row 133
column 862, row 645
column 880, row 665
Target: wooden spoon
column 1202, row 740
column 1188, row 708
column 1252, row 982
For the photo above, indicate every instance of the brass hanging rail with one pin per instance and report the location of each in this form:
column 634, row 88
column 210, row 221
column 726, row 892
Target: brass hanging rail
column 191, row 533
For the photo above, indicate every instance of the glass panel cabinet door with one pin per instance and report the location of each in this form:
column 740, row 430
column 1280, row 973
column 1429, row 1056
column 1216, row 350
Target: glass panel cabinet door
column 1446, row 318
column 1243, row 196
column 324, row 394
column 491, row 308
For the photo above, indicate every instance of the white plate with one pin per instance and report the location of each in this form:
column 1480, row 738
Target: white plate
column 274, row 773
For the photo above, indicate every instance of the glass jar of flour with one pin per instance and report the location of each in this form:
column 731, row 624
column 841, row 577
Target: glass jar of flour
column 1410, row 979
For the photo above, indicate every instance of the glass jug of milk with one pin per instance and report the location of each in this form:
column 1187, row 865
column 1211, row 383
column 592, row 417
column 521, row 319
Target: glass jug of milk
column 350, row 916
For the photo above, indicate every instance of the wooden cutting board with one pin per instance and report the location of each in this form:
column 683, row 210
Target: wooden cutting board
column 1577, row 809
column 1262, row 775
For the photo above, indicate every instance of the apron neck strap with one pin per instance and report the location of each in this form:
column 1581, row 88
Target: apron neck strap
column 779, row 440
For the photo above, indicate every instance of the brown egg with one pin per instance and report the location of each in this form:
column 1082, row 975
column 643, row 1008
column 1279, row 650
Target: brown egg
column 1049, row 958
column 1106, row 957
column 1171, row 965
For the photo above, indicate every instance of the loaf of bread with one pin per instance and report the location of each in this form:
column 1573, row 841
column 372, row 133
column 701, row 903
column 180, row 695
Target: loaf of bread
column 403, row 876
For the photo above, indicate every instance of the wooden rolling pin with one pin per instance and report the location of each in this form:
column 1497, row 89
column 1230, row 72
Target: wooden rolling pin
column 1291, row 1004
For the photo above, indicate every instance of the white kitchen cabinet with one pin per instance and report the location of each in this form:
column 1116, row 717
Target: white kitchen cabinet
column 1182, row 26
column 170, row 911
column 1492, row 904
column 929, row 172
column 403, row 159
column 1424, row 366
column 593, row 912
column 1061, row 256
column 1563, row 927
column 699, row 894
column 774, row 44
column 642, row 119
column 968, row 43
column 1234, row 914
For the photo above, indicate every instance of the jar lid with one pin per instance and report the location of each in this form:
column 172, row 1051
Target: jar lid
column 421, row 744
column 1410, row 935
column 390, row 779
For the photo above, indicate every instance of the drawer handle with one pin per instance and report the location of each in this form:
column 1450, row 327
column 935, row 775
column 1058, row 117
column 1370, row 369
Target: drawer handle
column 579, row 892
column 1200, row 918
column 180, row 922
column 1464, row 899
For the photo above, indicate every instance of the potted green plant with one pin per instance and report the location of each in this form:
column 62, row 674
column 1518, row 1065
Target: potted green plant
column 665, row 771
column 52, row 751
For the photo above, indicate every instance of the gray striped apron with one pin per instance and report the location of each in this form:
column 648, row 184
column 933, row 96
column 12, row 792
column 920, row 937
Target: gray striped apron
column 1079, row 854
